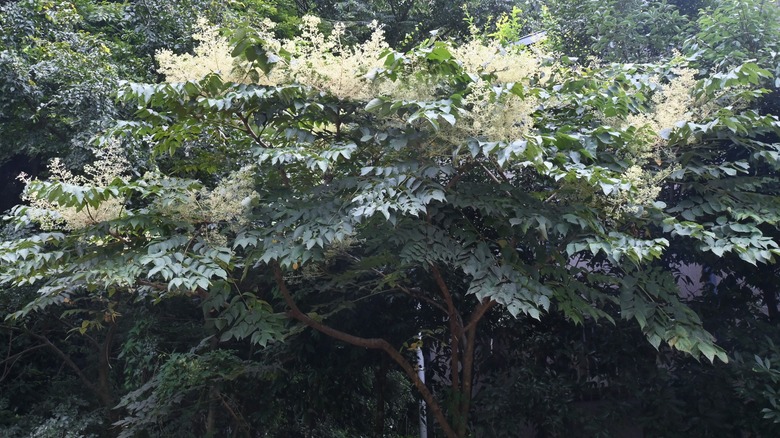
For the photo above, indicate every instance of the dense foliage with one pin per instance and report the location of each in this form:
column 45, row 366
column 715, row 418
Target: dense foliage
column 257, row 239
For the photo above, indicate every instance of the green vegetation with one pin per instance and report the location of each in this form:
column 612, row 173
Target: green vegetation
column 258, row 215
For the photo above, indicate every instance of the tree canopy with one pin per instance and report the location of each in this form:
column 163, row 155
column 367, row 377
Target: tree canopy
column 277, row 190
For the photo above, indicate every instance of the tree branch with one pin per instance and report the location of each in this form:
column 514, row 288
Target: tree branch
column 68, row 361
column 459, row 174
column 468, row 357
column 456, row 328
column 422, row 297
column 479, row 312
column 9, row 361
column 372, row 343
column 259, row 140
column 240, row 421
column 413, row 294
column 251, row 132
column 493, row 177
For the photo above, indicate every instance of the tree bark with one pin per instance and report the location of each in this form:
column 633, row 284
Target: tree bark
column 213, row 396
column 104, row 369
column 468, row 357
column 372, row 343
column 211, row 416
column 461, row 361
column 380, row 384
column 456, row 329
column 456, row 334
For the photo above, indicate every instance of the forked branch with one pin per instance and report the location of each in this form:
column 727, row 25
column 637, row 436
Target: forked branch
column 372, row 343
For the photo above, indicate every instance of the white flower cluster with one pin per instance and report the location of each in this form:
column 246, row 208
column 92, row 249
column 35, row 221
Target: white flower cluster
column 643, row 188
column 326, row 63
column 497, row 117
column 212, row 55
column 509, row 64
column 320, row 61
column 110, row 164
column 230, row 201
column 673, row 103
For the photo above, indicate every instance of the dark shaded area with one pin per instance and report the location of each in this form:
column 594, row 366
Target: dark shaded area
column 10, row 186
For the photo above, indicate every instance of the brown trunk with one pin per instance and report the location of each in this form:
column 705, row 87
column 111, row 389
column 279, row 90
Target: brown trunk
column 104, row 389
column 380, row 383
column 468, row 361
column 211, row 417
column 372, row 343
column 456, row 334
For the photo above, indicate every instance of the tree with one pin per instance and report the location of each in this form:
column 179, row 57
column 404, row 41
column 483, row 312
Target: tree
column 60, row 62
column 616, row 31
column 56, row 84
column 407, row 22
column 477, row 181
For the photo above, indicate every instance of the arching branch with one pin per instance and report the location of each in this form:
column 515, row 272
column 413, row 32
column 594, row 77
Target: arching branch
column 372, row 343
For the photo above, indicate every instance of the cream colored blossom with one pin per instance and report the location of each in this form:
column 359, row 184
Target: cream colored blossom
column 673, row 103
column 504, row 117
column 510, row 65
column 212, row 55
column 493, row 114
column 321, row 61
column 230, row 201
column 110, row 164
column 326, row 63
column 642, row 190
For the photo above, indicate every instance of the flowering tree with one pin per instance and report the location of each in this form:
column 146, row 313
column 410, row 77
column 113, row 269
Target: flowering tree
column 473, row 179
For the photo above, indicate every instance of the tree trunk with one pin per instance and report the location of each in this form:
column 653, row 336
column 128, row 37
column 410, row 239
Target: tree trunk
column 104, row 387
column 211, row 417
column 770, row 299
column 372, row 343
column 380, row 384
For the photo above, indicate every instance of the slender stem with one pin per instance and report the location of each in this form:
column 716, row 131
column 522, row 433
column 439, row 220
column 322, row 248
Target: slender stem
column 259, row 140
column 459, row 173
column 104, row 367
column 479, row 312
column 69, row 362
column 240, row 421
column 414, row 294
column 422, row 297
column 89, row 338
column 251, row 132
column 9, row 361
